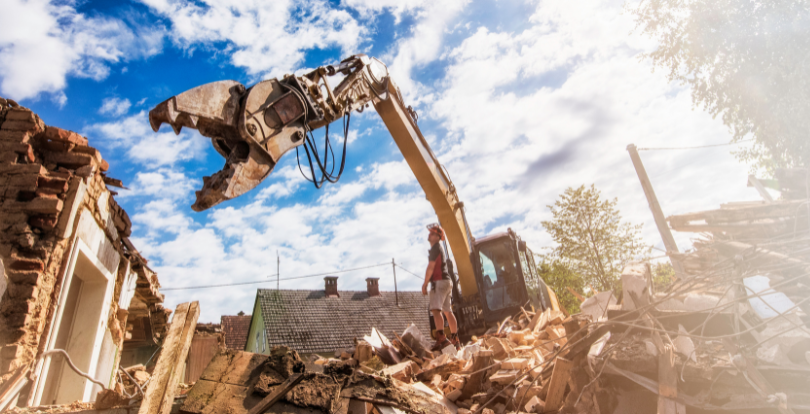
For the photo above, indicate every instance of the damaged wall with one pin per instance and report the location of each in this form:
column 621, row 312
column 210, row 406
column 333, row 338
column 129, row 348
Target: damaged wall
column 54, row 202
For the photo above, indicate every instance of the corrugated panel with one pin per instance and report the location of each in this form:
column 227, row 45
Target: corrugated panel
column 203, row 349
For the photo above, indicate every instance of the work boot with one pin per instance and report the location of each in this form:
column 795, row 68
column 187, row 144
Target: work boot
column 455, row 341
column 441, row 341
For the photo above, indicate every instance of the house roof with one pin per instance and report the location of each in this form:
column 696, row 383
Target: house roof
column 235, row 329
column 308, row 321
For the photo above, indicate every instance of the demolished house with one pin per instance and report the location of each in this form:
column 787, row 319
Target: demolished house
column 75, row 295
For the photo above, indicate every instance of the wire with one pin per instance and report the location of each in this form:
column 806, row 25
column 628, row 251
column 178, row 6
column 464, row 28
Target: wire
column 696, row 147
column 273, row 280
column 408, row 271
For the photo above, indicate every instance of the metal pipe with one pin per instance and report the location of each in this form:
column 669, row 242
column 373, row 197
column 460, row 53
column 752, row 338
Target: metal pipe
column 73, row 367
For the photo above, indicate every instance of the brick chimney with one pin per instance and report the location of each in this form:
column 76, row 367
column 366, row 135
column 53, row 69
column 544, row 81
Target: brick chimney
column 330, row 286
column 372, row 286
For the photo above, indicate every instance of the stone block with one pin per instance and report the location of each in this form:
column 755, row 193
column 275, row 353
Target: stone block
column 59, row 134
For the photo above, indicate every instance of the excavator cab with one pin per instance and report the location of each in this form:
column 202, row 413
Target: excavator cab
column 507, row 280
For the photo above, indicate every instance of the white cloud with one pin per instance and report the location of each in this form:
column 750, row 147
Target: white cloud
column 42, row 43
column 145, row 147
column 267, row 38
column 114, row 106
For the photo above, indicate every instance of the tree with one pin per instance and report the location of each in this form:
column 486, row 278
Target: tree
column 591, row 239
column 559, row 276
column 663, row 275
column 747, row 62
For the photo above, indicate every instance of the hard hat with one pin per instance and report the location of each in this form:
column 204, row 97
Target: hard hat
column 436, row 228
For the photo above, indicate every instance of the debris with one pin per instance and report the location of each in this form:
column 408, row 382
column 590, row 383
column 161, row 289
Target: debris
column 159, row 396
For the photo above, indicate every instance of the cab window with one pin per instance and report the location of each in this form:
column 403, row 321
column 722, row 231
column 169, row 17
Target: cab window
column 501, row 281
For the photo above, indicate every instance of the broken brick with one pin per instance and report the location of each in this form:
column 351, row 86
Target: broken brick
column 59, row 134
column 52, row 185
column 16, row 320
column 17, row 114
column 43, row 205
column 26, row 265
column 23, row 291
column 70, row 160
column 45, row 222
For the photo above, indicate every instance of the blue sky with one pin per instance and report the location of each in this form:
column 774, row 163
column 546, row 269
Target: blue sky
column 519, row 100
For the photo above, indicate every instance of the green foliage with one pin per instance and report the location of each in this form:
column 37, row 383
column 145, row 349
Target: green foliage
column 663, row 275
column 558, row 276
column 591, row 239
column 747, row 62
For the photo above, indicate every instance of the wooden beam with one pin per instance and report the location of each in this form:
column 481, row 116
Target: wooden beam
column 754, row 182
column 159, row 395
column 655, row 207
column 556, row 388
column 277, row 394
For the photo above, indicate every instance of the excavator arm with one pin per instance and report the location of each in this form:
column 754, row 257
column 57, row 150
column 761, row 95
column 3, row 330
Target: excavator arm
column 252, row 128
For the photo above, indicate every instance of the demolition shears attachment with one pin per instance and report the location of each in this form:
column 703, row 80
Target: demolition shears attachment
column 252, row 128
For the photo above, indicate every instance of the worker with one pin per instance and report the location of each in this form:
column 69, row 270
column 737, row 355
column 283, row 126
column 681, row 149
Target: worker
column 441, row 286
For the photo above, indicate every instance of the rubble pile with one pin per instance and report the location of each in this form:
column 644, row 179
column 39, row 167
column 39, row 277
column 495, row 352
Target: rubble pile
column 729, row 334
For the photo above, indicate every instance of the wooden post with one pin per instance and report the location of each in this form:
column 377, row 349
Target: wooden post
column 160, row 393
column 658, row 214
column 394, row 266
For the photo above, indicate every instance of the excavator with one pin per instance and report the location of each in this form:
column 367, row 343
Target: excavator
column 252, row 128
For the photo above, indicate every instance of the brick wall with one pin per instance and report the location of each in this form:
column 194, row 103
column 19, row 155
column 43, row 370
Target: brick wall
column 48, row 178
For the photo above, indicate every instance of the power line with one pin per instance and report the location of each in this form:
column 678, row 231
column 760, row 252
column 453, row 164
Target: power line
column 417, row 276
column 696, row 147
column 268, row 281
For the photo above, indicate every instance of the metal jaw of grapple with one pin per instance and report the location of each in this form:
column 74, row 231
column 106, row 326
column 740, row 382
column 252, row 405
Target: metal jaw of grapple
column 252, row 128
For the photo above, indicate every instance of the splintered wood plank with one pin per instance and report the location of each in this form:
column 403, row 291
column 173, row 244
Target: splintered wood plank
column 160, row 395
column 481, row 360
column 153, row 397
column 276, row 394
column 556, row 387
